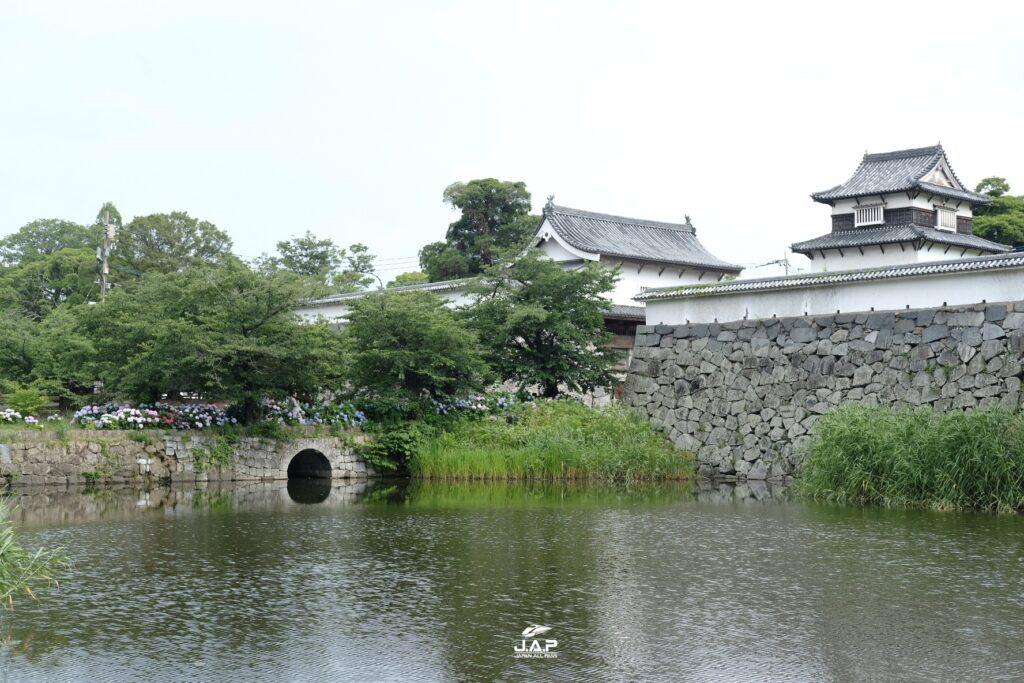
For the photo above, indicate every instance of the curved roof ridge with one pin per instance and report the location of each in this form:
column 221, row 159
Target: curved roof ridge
column 933, row 150
column 898, row 171
column 612, row 218
column 634, row 239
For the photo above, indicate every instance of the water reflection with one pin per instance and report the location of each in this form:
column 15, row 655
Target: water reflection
column 433, row 581
column 309, row 491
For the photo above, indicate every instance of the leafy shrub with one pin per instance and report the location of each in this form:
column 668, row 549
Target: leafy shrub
column 393, row 448
column 27, row 400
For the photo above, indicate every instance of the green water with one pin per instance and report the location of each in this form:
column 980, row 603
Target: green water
column 437, row 582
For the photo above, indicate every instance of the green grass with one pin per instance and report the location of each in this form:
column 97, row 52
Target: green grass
column 21, row 568
column 922, row 458
column 551, row 440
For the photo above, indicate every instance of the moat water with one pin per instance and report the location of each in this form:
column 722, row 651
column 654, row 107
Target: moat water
column 428, row 582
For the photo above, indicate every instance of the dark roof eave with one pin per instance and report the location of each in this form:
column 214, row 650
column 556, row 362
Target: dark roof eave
column 727, row 268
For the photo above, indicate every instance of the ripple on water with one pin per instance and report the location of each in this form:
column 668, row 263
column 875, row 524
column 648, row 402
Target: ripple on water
column 650, row 583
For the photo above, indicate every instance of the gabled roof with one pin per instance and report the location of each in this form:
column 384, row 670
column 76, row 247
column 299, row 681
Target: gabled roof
column 830, row 279
column 892, row 234
column 900, row 171
column 633, row 238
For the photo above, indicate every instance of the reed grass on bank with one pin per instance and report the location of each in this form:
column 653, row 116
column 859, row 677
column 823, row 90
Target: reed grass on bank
column 946, row 460
column 20, row 568
column 552, row 440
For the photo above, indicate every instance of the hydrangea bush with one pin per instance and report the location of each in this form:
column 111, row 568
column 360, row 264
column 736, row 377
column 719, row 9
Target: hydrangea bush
column 152, row 416
column 323, row 413
column 12, row 416
column 481, row 405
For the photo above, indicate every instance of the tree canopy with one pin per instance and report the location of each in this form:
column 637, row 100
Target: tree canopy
column 325, row 262
column 1002, row 220
column 494, row 220
column 43, row 237
column 166, row 243
column 409, row 345
column 414, row 277
column 225, row 331
column 544, row 326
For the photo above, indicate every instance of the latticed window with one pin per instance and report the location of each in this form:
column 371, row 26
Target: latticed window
column 868, row 215
column 945, row 219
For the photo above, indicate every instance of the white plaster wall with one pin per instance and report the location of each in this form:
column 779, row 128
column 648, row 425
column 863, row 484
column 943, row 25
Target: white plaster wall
column 635, row 278
column 875, row 257
column 899, row 200
column 556, row 252
column 949, row 289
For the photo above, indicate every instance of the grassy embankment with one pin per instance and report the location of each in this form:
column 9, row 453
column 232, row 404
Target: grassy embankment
column 550, row 440
column 920, row 458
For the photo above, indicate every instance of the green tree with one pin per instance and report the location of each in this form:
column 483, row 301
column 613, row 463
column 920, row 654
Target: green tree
column 414, row 277
column 495, row 219
column 993, row 186
column 166, row 243
column 41, row 284
column 544, row 326
column 409, row 345
column 18, row 340
column 43, row 237
column 324, row 262
column 226, row 332
column 1003, row 220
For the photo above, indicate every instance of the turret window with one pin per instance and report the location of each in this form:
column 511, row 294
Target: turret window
column 868, row 215
column 945, row 219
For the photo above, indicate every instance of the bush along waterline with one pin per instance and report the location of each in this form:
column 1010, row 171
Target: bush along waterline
column 918, row 458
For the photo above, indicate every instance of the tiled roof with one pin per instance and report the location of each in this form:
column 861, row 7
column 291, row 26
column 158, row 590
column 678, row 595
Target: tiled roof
column 442, row 286
column 980, row 263
column 898, row 171
column 633, row 238
column 892, row 234
column 619, row 312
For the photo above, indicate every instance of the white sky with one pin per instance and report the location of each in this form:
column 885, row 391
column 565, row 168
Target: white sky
column 349, row 119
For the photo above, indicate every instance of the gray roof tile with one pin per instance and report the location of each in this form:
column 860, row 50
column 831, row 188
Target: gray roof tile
column 980, row 263
column 633, row 238
column 892, row 234
column 898, row 171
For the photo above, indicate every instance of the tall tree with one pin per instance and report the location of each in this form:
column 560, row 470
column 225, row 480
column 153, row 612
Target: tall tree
column 226, row 332
column 409, row 345
column 167, row 243
column 42, row 283
column 1002, row 220
column 495, row 218
column 324, row 262
column 43, row 237
column 544, row 326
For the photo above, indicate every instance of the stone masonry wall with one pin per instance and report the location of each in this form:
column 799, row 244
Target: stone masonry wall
column 32, row 457
column 744, row 396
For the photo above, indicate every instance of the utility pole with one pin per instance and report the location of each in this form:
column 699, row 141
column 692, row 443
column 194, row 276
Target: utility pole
column 103, row 254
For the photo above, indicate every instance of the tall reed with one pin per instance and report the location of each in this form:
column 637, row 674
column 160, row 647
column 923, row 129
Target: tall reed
column 551, row 440
column 21, row 568
column 946, row 460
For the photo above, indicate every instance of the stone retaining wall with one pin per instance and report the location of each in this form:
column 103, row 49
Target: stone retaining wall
column 744, row 396
column 83, row 456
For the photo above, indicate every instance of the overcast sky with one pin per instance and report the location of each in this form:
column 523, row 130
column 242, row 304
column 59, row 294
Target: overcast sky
column 350, row 119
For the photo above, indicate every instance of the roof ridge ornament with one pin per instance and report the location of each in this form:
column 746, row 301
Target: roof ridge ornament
column 550, row 206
